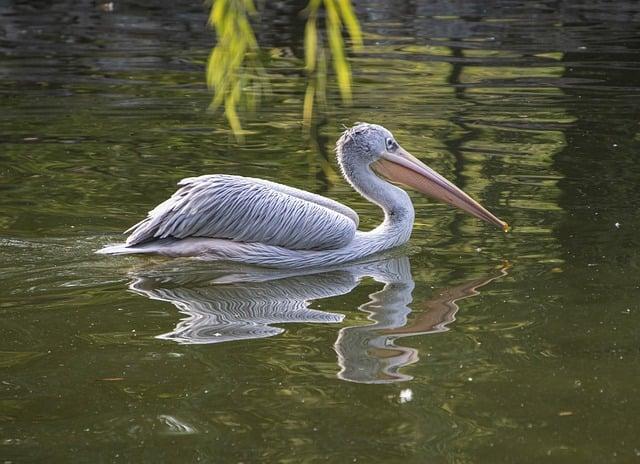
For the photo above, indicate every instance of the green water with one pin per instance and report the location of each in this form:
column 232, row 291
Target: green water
column 467, row 345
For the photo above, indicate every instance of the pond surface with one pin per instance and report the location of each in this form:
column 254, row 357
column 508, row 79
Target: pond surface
column 467, row 345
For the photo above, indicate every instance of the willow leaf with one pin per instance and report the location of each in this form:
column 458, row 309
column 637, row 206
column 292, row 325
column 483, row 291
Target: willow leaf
column 350, row 21
column 310, row 43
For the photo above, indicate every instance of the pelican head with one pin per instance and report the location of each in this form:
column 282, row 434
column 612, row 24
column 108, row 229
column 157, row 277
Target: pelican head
column 375, row 147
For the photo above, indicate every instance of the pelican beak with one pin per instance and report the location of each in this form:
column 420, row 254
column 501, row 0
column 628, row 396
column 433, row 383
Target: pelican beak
column 401, row 166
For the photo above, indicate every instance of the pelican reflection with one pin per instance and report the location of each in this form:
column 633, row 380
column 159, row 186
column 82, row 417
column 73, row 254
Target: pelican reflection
column 239, row 304
column 368, row 353
column 220, row 312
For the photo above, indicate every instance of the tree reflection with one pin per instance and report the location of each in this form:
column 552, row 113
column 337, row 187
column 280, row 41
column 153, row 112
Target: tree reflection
column 599, row 162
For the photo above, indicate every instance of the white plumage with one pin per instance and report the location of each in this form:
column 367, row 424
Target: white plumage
column 254, row 221
column 224, row 206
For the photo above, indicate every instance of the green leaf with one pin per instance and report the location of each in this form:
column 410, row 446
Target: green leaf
column 351, row 22
column 310, row 43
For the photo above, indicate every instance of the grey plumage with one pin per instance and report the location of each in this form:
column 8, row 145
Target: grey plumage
column 253, row 221
column 245, row 209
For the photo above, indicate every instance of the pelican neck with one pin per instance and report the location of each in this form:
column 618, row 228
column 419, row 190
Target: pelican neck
column 394, row 201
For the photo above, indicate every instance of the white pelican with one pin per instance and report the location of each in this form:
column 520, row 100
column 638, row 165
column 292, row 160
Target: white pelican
column 254, row 221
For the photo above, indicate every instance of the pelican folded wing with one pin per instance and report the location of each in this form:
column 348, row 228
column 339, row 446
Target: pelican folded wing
column 248, row 210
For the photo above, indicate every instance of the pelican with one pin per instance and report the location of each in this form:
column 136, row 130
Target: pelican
column 253, row 221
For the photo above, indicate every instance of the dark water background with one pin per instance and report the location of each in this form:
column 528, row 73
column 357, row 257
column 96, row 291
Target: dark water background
column 465, row 346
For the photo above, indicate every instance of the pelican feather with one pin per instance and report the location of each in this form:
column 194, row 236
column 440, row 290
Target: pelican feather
column 244, row 209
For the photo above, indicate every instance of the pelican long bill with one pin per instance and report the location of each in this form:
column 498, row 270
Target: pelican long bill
column 401, row 166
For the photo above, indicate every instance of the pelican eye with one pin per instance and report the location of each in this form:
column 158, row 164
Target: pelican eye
column 391, row 144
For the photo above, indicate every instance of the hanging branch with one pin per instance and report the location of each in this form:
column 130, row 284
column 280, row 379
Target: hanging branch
column 234, row 66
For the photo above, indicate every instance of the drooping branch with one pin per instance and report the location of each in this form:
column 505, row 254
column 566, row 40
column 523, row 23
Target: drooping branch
column 235, row 71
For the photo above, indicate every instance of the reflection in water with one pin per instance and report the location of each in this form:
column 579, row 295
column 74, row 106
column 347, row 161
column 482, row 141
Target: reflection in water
column 219, row 312
column 225, row 306
column 368, row 354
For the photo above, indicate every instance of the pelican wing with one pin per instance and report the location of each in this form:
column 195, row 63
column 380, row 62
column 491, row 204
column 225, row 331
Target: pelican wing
column 244, row 209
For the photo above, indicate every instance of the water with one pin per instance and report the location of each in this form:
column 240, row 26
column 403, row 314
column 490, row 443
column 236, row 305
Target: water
column 464, row 346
